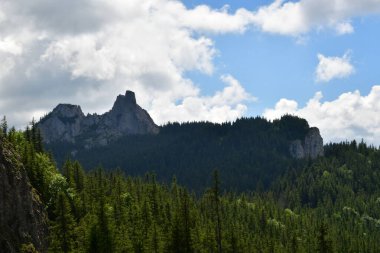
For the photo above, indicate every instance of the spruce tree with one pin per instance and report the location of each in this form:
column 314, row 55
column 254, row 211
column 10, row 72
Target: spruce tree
column 63, row 225
column 324, row 244
column 218, row 221
column 4, row 126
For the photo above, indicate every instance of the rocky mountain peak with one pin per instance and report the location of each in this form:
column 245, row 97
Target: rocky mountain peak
column 68, row 110
column 67, row 123
column 125, row 102
column 130, row 96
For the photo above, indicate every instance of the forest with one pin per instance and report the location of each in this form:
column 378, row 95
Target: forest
column 331, row 204
column 248, row 153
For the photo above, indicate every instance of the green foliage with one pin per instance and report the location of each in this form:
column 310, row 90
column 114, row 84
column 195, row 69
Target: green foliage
column 4, row 126
column 28, row 248
column 62, row 229
column 324, row 244
column 331, row 204
column 249, row 153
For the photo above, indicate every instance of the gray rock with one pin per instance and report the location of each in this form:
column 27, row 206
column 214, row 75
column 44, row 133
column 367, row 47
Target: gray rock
column 310, row 147
column 67, row 123
column 313, row 143
column 296, row 149
column 23, row 219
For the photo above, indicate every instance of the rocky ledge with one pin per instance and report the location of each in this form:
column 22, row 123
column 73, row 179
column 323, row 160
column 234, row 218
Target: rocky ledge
column 310, row 147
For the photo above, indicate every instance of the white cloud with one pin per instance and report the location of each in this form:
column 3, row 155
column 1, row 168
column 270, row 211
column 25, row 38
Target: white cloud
column 6, row 66
column 282, row 18
column 344, row 28
column 203, row 18
column 86, row 52
column 225, row 105
column 2, row 15
column 333, row 67
column 297, row 18
column 350, row 116
column 8, row 45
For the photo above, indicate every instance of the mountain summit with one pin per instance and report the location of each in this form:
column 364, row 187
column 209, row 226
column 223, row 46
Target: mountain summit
column 67, row 123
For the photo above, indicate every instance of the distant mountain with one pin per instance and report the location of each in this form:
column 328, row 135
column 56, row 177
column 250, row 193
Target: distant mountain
column 67, row 123
column 249, row 153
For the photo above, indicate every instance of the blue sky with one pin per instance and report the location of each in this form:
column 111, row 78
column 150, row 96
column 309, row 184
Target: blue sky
column 273, row 66
column 197, row 60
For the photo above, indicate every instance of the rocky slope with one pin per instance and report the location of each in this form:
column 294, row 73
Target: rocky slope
column 310, row 147
column 22, row 216
column 67, row 123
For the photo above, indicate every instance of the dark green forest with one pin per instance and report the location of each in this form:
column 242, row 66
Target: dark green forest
column 248, row 153
column 331, row 204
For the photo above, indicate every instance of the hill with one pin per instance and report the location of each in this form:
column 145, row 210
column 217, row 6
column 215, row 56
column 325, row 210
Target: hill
column 249, row 153
column 330, row 204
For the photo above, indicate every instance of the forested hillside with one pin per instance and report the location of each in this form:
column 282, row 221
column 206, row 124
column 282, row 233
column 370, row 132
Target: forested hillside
column 331, row 204
column 248, row 153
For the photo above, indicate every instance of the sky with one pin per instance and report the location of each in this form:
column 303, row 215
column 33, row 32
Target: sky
column 196, row 60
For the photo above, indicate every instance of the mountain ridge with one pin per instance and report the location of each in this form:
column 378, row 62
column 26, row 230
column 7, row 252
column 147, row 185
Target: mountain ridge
column 67, row 123
column 246, row 151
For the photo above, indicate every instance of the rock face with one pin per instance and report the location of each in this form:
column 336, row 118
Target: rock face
column 310, row 147
column 67, row 123
column 22, row 216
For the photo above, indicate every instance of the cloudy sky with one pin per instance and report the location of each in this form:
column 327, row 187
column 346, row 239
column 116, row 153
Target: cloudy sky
column 196, row 60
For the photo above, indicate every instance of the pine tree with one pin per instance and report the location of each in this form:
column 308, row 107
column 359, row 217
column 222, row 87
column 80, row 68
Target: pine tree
column 4, row 126
column 105, row 243
column 27, row 134
column 78, row 176
column 186, row 222
column 68, row 173
column 38, row 145
column 324, row 244
column 63, row 225
column 33, row 130
column 217, row 211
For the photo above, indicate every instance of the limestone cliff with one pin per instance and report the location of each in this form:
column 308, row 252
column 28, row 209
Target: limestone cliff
column 22, row 216
column 67, row 123
column 310, row 147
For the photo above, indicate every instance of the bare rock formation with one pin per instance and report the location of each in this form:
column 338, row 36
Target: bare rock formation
column 310, row 147
column 67, row 123
column 23, row 219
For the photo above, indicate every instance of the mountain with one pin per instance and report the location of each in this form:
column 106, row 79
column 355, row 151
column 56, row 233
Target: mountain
column 330, row 204
column 67, row 123
column 23, row 219
column 249, row 153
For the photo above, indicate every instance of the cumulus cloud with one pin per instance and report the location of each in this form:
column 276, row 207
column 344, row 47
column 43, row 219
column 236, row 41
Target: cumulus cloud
column 224, row 105
column 297, row 18
column 344, row 28
column 86, row 52
column 350, row 116
column 333, row 67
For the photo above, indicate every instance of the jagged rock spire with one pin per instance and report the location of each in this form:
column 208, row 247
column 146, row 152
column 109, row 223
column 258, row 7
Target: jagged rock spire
column 67, row 123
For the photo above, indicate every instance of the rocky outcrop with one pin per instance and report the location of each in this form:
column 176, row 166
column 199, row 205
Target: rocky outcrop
column 67, row 123
column 310, row 147
column 22, row 216
column 63, row 123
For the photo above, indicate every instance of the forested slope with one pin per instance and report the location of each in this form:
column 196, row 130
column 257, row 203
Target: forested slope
column 248, row 153
column 331, row 204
